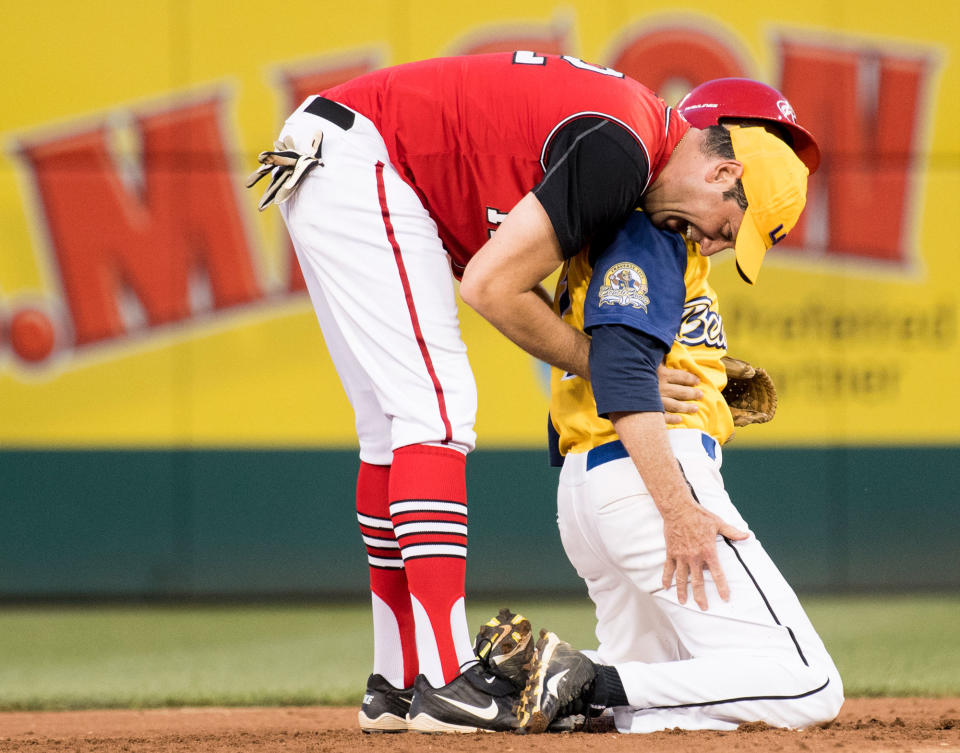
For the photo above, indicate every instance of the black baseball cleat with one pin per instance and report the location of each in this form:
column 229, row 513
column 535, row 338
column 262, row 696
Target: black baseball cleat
column 384, row 707
column 476, row 701
column 559, row 676
column 504, row 646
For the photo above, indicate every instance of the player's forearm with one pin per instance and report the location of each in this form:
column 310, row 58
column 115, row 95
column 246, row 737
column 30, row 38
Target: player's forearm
column 502, row 283
column 645, row 438
column 530, row 323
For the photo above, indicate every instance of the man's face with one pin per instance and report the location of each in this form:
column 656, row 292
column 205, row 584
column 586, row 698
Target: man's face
column 696, row 208
column 701, row 214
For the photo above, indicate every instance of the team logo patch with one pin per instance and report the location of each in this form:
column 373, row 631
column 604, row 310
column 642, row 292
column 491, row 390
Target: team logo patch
column 624, row 284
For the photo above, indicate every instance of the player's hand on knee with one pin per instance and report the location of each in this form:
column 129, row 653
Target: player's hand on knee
column 691, row 542
column 678, row 391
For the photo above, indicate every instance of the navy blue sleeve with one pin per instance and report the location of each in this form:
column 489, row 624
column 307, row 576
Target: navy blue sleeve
column 637, row 281
column 623, row 370
column 633, row 310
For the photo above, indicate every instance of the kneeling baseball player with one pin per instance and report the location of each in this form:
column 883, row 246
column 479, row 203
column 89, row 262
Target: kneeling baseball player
column 751, row 654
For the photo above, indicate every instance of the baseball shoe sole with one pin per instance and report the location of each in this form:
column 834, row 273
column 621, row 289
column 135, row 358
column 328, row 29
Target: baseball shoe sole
column 504, row 646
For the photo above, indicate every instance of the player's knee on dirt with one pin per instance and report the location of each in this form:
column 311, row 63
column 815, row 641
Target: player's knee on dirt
column 819, row 707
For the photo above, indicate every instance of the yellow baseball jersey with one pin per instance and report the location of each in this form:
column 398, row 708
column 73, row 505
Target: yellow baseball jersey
column 625, row 286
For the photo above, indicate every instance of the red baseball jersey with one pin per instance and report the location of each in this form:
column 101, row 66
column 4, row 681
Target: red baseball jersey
column 472, row 134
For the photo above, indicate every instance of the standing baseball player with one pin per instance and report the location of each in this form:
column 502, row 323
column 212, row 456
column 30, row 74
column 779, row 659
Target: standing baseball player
column 388, row 181
column 662, row 663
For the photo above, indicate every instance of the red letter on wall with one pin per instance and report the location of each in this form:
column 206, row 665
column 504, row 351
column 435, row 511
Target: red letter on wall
column 106, row 236
column 864, row 107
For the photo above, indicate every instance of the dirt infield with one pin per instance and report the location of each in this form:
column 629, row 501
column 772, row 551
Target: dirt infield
column 878, row 725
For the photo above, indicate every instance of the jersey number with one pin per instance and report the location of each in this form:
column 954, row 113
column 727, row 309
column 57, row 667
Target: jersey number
column 526, row 57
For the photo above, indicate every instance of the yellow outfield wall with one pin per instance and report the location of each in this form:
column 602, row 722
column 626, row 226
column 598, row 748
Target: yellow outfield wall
column 145, row 302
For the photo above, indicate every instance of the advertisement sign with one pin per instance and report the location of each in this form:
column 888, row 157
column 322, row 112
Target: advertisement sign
column 145, row 302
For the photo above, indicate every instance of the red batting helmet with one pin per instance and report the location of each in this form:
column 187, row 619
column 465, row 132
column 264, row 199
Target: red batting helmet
column 735, row 98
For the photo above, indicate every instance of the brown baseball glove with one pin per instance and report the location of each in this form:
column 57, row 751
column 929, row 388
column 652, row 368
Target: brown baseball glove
column 749, row 393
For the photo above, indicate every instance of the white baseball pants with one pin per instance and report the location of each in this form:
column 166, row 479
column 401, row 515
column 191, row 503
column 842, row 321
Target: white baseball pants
column 753, row 658
column 380, row 282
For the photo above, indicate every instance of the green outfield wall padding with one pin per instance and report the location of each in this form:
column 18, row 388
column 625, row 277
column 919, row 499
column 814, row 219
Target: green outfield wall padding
column 264, row 523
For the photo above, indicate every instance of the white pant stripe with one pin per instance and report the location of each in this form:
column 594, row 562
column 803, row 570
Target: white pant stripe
column 419, row 505
column 366, row 520
column 434, row 550
column 405, row 529
column 381, row 543
column 384, row 562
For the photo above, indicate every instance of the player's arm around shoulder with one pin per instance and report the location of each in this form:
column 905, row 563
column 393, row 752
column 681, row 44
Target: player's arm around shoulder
column 502, row 283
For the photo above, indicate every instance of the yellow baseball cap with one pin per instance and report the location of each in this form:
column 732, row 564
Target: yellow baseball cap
column 775, row 182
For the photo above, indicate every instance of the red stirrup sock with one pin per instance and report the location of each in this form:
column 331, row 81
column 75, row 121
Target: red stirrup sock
column 428, row 506
column 394, row 633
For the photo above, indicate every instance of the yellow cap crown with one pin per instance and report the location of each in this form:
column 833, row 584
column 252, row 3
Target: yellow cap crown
column 775, row 182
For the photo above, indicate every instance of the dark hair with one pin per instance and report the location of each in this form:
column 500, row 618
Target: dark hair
column 717, row 143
